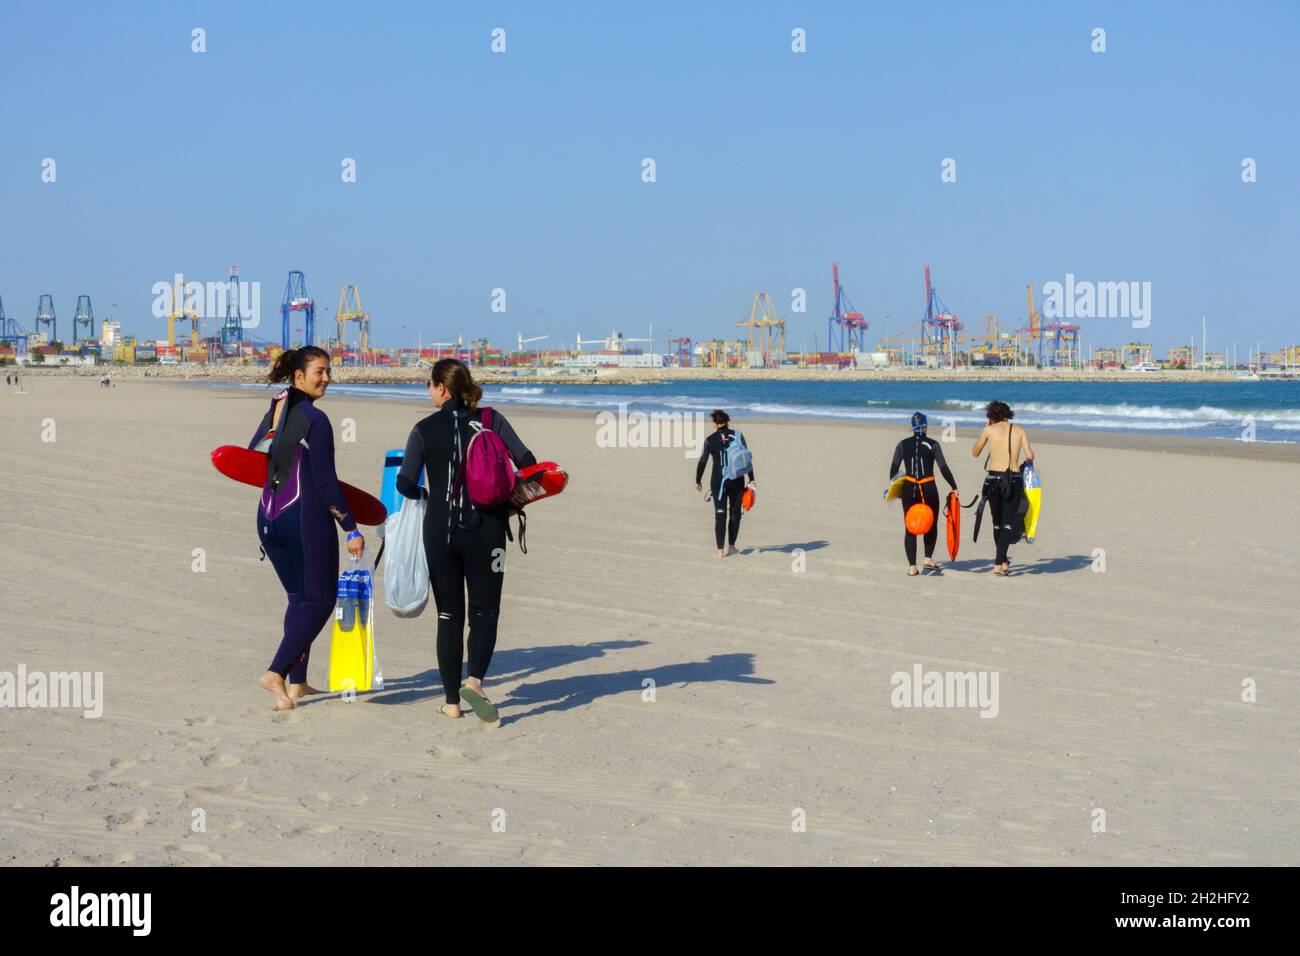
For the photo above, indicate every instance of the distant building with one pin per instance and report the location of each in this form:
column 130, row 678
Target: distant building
column 1107, row 358
column 1136, row 353
column 110, row 336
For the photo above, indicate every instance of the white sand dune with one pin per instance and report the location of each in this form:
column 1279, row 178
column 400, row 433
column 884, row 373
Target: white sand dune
column 1119, row 691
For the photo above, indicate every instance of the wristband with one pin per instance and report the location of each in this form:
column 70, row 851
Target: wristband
column 353, row 534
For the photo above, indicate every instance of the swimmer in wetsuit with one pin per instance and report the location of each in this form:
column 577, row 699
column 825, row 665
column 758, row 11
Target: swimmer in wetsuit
column 463, row 543
column 919, row 455
column 726, row 495
column 301, row 501
column 1004, row 487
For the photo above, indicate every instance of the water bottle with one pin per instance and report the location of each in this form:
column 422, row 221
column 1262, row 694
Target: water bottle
column 347, row 601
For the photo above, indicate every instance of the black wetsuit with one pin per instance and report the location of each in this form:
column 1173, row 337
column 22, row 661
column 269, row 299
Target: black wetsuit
column 726, row 495
column 1005, row 491
column 919, row 455
column 464, row 544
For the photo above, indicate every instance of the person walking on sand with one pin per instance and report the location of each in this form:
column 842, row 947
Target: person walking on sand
column 732, row 463
column 301, row 501
column 463, row 542
column 1004, row 486
column 919, row 455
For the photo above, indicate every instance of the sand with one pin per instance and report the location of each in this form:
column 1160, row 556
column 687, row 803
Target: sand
column 771, row 737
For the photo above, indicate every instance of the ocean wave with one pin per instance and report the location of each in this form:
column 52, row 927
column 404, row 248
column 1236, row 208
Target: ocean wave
column 1140, row 411
column 1207, row 419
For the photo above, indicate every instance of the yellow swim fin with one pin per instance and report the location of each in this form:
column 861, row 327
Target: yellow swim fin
column 352, row 648
column 1034, row 496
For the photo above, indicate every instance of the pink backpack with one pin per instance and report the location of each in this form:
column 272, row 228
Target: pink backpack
column 488, row 475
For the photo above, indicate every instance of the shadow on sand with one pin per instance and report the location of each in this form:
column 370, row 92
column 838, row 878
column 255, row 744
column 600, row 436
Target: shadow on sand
column 788, row 548
column 1058, row 565
column 508, row 664
column 565, row 693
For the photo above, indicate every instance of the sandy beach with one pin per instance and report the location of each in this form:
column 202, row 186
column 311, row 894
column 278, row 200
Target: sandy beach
column 771, row 736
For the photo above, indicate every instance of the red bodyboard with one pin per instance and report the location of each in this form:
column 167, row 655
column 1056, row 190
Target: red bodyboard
column 249, row 467
column 542, row 480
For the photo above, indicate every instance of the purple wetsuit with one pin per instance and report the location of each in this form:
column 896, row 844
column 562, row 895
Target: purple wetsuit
column 301, row 500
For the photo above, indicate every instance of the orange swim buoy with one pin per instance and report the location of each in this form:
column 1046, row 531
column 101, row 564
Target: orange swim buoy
column 747, row 499
column 919, row 518
column 954, row 524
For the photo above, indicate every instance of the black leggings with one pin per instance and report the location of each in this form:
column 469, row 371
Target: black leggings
column 728, row 497
column 473, row 561
column 931, row 497
column 1008, row 519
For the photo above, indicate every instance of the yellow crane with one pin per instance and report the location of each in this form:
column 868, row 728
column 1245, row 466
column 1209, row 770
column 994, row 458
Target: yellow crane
column 350, row 310
column 178, row 311
column 1035, row 327
column 771, row 330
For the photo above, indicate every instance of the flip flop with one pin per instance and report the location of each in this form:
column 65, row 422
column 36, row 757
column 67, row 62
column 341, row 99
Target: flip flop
column 483, row 708
column 442, row 709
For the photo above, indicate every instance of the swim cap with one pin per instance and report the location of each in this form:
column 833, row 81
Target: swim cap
column 918, row 422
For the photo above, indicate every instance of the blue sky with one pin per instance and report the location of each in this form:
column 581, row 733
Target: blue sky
column 522, row 170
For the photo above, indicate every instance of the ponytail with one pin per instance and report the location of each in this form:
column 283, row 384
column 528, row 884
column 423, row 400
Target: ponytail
column 291, row 361
column 454, row 375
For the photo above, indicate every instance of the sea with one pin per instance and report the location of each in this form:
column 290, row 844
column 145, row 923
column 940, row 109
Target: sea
column 1267, row 411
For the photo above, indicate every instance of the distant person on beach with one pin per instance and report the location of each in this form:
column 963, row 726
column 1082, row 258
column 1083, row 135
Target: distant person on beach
column 463, row 543
column 1004, row 486
column 726, row 483
column 919, row 455
column 301, row 501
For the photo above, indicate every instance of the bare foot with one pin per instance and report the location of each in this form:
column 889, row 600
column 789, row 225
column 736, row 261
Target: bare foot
column 732, row 550
column 275, row 684
column 299, row 691
column 721, row 553
column 913, row 571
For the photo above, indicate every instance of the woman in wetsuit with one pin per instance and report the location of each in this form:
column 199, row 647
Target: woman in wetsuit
column 726, row 495
column 301, row 501
column 464, row 544
column 1004, row 487
column 919, row 455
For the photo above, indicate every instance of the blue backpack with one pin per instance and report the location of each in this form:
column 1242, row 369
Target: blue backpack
column 737, row 459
